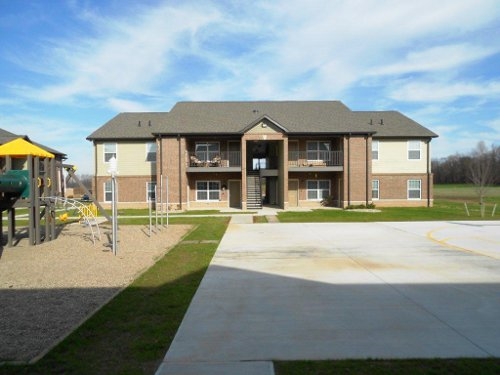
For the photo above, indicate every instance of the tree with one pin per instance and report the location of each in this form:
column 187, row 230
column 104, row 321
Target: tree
column 481, row 170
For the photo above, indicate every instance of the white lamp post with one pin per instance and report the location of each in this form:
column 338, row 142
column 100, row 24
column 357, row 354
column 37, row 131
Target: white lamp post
column 113, row 171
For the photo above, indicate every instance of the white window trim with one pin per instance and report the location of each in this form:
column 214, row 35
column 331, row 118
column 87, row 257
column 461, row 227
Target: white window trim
column 148, row 152
column 208, row 191
column 206, row 143
column 104, row 151
column 148, row 183
column 378, row 190
column 419, row 190
column 414, row 149
column 317, row 190
column 317, row 151
column 107, row 191
column 376, row 142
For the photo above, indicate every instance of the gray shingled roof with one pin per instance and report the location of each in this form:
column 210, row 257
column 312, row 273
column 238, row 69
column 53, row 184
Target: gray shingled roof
column 392, row 124
column 297, row 117
column 131, row 125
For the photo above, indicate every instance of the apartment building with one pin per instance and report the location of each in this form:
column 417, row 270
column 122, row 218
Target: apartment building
column 247, row 154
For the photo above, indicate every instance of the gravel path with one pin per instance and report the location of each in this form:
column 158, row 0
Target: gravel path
column 46, row 291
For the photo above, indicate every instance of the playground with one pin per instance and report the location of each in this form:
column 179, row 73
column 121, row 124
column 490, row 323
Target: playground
column 49, row 292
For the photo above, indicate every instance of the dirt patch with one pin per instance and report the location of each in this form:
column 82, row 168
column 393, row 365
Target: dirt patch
column 46, row 291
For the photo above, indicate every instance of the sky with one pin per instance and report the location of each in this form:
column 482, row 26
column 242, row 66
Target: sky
column 69, row 66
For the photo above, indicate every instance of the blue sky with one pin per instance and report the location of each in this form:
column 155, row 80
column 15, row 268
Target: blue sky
column 67, row 67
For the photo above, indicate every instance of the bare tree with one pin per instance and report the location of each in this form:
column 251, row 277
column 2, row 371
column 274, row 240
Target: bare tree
column 481, row 170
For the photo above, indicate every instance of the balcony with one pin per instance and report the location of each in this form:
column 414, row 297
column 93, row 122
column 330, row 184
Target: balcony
column 213, row 161
column 315, row 161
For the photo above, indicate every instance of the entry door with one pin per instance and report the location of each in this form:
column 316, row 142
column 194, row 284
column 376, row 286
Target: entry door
column 235, row 194
column 293, row 193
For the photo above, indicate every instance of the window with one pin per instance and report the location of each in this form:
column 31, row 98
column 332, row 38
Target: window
column 414, row 189
column 318, row 189
column 207, row 151
column 414, row 150
column 375, row 189
column 108, row 194
column 318, row 150
column 207, row 190
column 151, row 152
column 375, row 145
column 109, row 151
column 150, row 191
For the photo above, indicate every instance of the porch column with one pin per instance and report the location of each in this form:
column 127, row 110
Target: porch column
column 243, row 173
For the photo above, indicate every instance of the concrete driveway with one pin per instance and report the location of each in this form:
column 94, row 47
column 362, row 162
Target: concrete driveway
column 342, row 290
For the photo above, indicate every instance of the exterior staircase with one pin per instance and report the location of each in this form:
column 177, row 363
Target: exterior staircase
column 254, row 194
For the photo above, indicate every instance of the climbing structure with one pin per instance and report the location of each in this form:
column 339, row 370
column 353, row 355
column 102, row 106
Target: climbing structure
column 29, row 175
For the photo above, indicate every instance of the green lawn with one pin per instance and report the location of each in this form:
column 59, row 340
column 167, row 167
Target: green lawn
column 131, row 334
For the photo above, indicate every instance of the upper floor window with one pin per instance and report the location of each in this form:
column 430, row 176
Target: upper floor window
column 318, row 150
column 375, row 146
column 414, row 150
column 151, row 151
column 109, row 151
column 207, row 151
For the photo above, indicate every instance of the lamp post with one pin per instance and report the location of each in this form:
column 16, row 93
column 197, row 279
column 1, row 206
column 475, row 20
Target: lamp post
column 113, row 171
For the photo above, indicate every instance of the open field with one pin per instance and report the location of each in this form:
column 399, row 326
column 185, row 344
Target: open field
column 464, row 193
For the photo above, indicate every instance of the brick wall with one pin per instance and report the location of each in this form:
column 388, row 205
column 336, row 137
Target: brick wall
column 356, row 170
column 393, row 190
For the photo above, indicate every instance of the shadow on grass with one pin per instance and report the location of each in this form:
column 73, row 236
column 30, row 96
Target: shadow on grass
column 131, row 334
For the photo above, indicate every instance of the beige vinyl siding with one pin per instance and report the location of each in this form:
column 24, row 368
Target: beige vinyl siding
column 264, row 127
column 393, row 158
column 131, row 157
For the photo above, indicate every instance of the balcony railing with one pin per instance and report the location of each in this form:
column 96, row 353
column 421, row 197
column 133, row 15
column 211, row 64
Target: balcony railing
column 214, row 159
column 315, row 158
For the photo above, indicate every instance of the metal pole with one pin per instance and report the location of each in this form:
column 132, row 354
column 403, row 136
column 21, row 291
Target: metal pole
column 167, row 200
column 114, row 213
column 156, row 211
column 150, row 217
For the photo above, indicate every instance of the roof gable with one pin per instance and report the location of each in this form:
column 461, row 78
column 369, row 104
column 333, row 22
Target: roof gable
column 264, row 125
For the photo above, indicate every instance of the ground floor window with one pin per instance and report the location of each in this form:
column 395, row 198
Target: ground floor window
column 108, row 194
column 414, row 189
column 150, row 191
column 318, row 189
column 375, row 189
column 207, row 190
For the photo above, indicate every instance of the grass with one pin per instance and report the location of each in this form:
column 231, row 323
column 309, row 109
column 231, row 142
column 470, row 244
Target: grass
column 461, row 366
column 442, row 210
column 131, row 334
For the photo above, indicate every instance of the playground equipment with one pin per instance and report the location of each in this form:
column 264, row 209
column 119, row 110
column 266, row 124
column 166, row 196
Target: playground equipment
column 32, row 181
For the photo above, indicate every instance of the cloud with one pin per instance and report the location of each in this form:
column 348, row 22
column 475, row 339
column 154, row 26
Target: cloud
column 438, row 91
column 127, row 55
column 435, row 59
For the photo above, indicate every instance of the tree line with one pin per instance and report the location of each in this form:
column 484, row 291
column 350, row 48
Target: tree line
column 480, row 167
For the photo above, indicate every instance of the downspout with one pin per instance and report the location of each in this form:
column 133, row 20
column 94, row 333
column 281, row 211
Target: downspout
column 366, row 167
column 180, row 174
column 96, row 189
column 161, row 176
column 428, row 173
column 349, row 169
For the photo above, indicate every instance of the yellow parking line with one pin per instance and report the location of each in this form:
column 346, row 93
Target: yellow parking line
column 444, row 243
